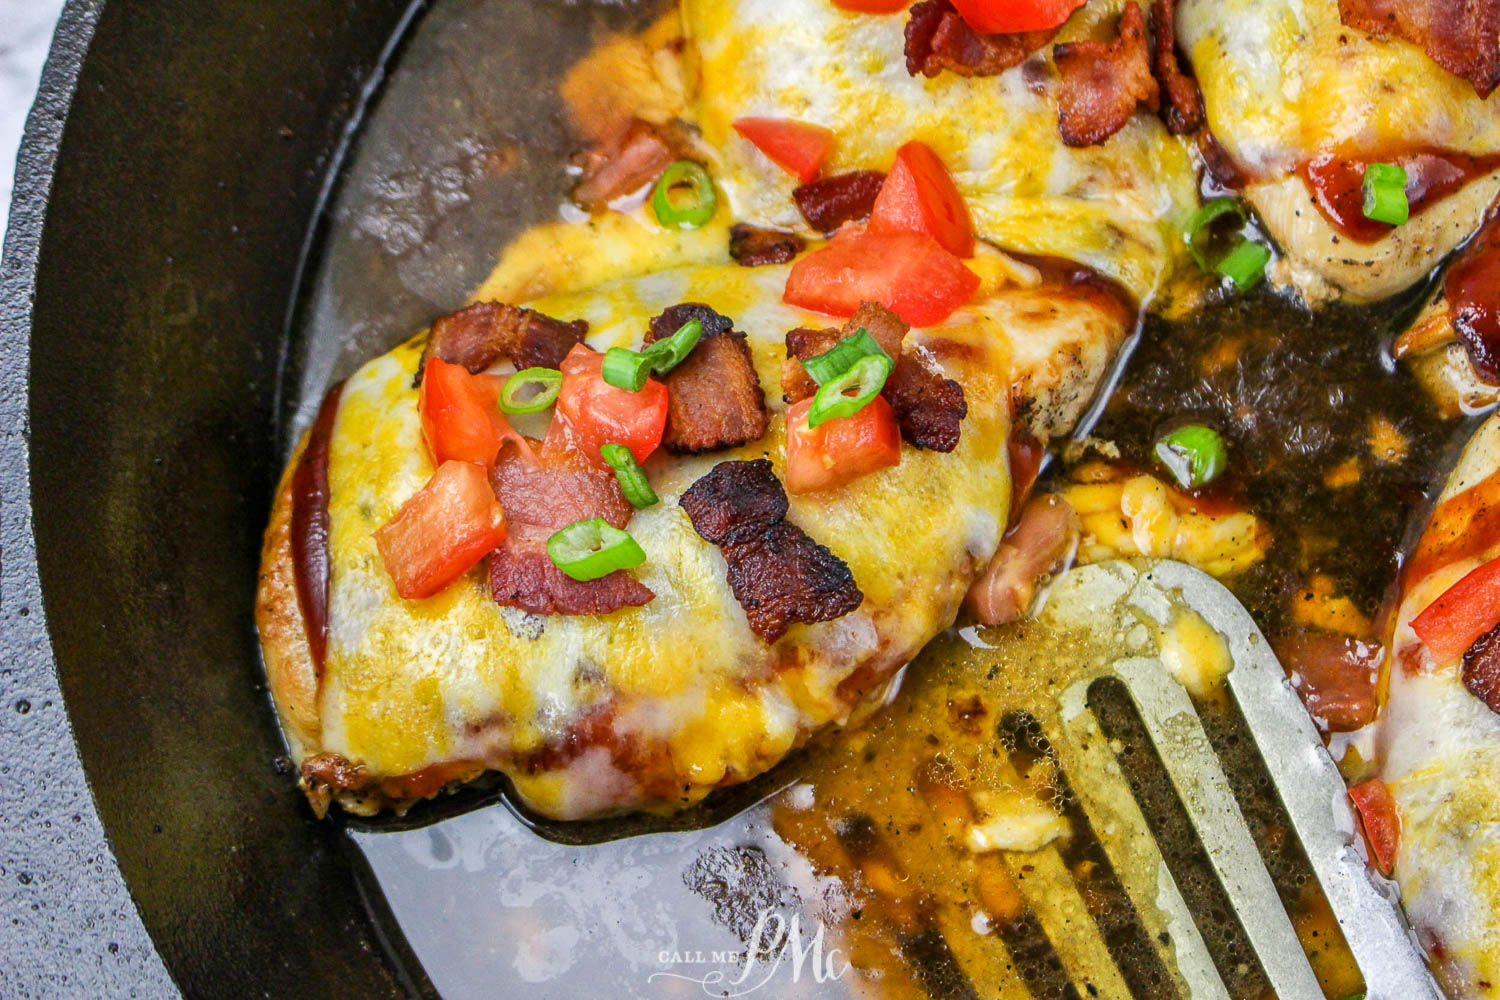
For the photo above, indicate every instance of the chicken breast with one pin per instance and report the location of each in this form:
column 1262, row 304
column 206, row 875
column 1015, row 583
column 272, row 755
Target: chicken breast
column 1118, row 207
column 1440, row 742
column 1284, row 82
column 656, row 706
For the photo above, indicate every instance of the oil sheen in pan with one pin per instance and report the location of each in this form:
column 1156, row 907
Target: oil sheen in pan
column 464, row 150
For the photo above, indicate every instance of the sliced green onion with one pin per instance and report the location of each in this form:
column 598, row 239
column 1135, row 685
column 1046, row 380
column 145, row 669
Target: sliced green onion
column 633, row 481
column 1385, row 194
column 865, row 380
column 844, row 355
column 684, row 197
column 1195, row 455
column 668, row 354
column 1245, row 265
column 588, row 550
column 1200, row 227
column 545, row 384
column 626, row 369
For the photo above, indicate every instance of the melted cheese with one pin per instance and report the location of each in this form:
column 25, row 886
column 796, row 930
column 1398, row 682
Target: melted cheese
column 1441, row 756
column 1118, row 207
column 413, row 683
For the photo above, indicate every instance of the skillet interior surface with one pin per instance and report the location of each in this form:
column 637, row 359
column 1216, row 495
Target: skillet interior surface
column 192, row 165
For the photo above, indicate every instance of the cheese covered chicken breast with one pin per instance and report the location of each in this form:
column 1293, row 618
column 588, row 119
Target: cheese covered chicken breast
column 874, row 83
column 1304, row 96
column 1433, row 815
column 664, row 589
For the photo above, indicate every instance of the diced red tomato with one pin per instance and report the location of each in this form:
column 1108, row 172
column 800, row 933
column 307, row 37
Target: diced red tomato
column 919, row 196
column 459, row 417
column 991, row 17
column 840, row 450
column 1377, row 811
column 797, row 147
column 443, row 530
column 873, row 6
column 908, row 273
column 591, row 413
column 1465, row 611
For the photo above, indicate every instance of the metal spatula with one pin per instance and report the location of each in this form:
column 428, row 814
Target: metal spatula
column 1147, row 662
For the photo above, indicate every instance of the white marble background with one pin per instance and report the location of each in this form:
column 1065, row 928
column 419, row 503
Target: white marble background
column 25, row 35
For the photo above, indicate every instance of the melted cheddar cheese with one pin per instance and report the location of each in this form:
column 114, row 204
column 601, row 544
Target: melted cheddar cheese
column 1118, row 207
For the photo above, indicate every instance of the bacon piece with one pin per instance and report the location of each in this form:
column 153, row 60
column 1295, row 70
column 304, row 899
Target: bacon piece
column 828, row 203
column 1472, row 287
column 929, row 406
column 777, row 573
column 1104, row 82
column 489, row 332
column 752, row 246
column 714, row 397
column 1462, row 36
column 937, row 38
column 1042, row 538
column 634, row 159
column 1481, row 669
column 1182, row 110
column 541, row 496
column 1335, row 677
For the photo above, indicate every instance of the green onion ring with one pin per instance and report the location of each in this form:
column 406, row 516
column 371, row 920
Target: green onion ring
column 1385, row 194
column 1245, row 265
column 548, row 382
column 844, row 355
column 588, row 550
column 626, row 369
column 1199, row 225
column 865, row 379
column 1195, row 455
column 633, row 481
column 684, row 210
column 668, row 354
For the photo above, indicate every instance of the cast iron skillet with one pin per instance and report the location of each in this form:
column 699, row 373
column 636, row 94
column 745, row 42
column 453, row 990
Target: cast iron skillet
column 168, row 187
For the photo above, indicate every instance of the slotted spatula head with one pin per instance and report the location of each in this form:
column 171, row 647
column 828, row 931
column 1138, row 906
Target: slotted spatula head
column 1184, row 753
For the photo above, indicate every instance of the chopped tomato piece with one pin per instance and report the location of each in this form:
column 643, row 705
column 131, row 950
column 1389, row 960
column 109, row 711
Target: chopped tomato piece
column 796, row 147
column 459, row 417
column 839, row 450
column 591, row 413
column 443, row 530
column 1465, row 611
column 873, row 6
column 919, row 196
column 993, row 17
column 908, row 273
column 1377, row 811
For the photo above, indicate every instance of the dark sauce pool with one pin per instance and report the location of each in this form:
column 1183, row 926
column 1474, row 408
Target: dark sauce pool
column 464, row 150
column 1307, row 402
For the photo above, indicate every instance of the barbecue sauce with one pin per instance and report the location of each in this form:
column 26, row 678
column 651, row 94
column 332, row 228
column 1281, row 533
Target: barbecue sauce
column 310, row 528
column 1337, row 185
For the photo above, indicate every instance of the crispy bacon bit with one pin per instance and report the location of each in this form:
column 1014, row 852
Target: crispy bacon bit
column 715, row 400
column 1462, row 36
column 830, row 202
column 634, row 159
column 937, row 38
column 539, row 498
column 1182, row 109
column 1335, row 677
column 1481, row 669
column 803, row 342
column 1472, row 287
column 1104, row 82
column 1042, row 539
column 489, row 332
column 929, row 407
column 752, row 246
column 777, row 573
